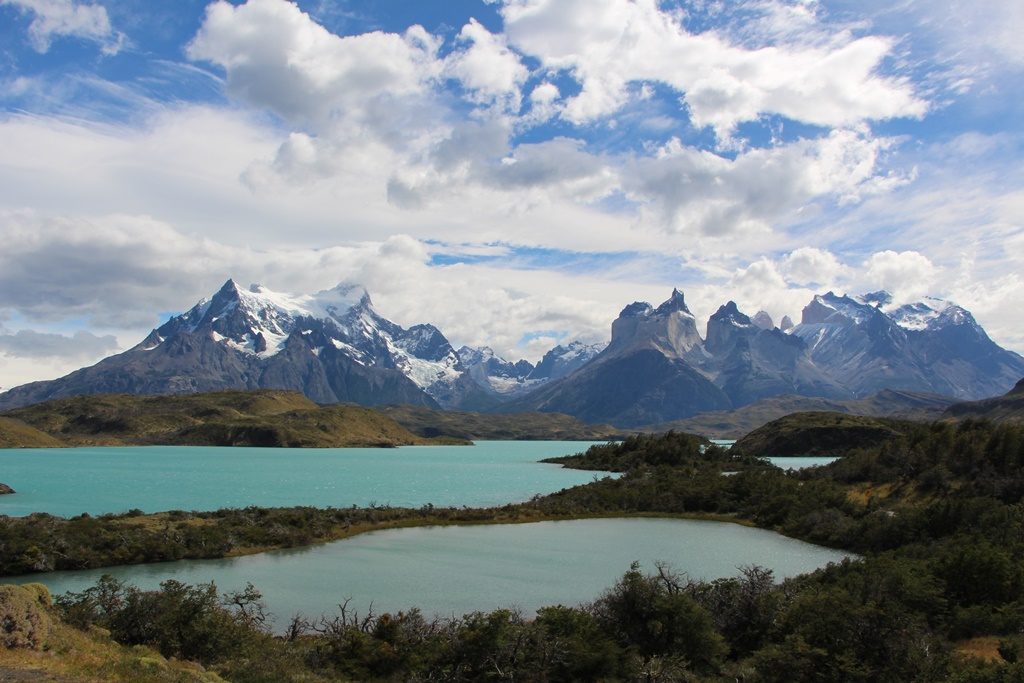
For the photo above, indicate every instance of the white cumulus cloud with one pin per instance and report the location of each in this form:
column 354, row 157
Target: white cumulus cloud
column 907, row 275
column 276, row 56
column 487, row 67
column 702, row 193
column 812, row 266
column 608, row 44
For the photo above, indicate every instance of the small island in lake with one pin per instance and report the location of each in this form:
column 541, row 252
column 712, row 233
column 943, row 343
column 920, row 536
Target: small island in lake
column 5, row 489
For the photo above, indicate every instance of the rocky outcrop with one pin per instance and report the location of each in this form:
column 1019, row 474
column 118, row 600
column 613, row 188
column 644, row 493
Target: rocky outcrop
column 5, row 489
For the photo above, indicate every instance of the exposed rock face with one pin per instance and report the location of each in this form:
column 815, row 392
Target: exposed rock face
column 5, row 489
column 749, row 362
column 670, row 328
column 844, row 348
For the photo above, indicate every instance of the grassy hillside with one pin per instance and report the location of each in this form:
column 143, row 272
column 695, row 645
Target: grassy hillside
column 226, row 418
column 17, row 434
column 732, row 424
column 516, row 426
column 818, row 433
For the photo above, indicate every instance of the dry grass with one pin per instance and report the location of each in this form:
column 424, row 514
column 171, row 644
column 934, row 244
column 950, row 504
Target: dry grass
column 985, row 648
column 17, row 434
column 864, row 494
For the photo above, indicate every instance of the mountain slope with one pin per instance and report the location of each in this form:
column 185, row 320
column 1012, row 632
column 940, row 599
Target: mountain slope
column 629, row 389
column 1009, row 407
column 334, row 347
column 16, row 434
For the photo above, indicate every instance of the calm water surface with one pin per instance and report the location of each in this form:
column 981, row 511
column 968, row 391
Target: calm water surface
column 70, row 481
column 454, row 570
column 800, row 462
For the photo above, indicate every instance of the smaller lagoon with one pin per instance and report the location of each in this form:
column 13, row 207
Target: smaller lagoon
column 458, row 569
column 801, row 462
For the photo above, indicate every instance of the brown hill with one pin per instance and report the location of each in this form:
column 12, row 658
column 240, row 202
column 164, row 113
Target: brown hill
column 817, row 433
column 17, row 434
column 430, row 423
column 226, row 418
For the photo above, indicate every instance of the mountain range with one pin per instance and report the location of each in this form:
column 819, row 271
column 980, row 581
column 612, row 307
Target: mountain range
column 334, row 347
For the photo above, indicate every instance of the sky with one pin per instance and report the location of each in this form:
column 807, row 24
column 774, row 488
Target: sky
column 513, row 171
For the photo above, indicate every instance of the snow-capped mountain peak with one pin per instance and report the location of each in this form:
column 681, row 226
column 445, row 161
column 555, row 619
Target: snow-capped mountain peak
column 562, row 360
column 929, row 313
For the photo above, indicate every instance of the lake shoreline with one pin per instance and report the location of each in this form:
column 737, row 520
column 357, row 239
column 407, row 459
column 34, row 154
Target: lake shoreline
column 43, row 543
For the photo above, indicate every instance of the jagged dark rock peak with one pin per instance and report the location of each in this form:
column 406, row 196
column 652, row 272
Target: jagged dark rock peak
column 877, row 299
column 640, row 377
column 333, row 346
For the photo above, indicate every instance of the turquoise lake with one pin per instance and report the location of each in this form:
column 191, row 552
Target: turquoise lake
column 70, row 481
column 454, row 570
